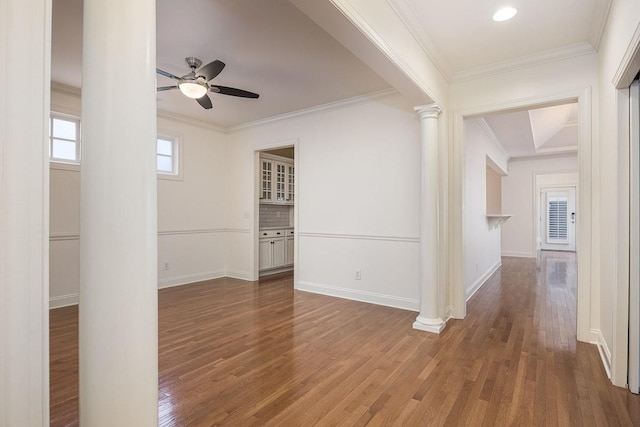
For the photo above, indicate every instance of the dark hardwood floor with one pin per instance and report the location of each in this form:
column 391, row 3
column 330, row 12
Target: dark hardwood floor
column 239, row 353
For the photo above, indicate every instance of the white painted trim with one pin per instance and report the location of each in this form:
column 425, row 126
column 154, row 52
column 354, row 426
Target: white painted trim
column 408, row 16
column 58, row 237
column 324, row 107
column 597, row 26
column 434, row 326
column 518, row 254
column 358, row 295
column 63, row 301
column 54, row 237
column 630, row 63
column 238, row 230
column 486, row 129
column 596, row 337
column 61, row 166
column 359, row 237
column 544, row 156
column 188, row 279
column 471, row 291
column 162, row 114
column 352, row 14
column 448, row 313
column 541, row 58
column 238, row 274
column 202, row 231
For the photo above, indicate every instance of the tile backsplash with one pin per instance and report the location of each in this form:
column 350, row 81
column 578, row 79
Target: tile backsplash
column 274, row 216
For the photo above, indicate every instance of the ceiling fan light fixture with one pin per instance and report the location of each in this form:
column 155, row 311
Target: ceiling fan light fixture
column 193, row 89
column 504, row 14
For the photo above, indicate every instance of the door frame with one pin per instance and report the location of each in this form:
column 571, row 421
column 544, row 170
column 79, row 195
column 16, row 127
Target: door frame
column 539, row 188
column 584, row 99
column 254, row 232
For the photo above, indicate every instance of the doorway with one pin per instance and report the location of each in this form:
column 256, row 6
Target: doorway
column 557, row 219
column 275, row 209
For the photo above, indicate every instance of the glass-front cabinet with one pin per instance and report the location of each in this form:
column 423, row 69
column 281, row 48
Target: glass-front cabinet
column 277, row 180
column 267, row 177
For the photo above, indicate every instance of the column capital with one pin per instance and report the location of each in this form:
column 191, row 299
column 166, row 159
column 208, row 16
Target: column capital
column 428, row 111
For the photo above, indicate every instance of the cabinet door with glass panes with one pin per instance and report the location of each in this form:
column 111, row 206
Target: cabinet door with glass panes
column 266, row 181
column 276, row 181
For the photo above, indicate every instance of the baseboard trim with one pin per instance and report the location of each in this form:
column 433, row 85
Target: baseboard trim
column 481, row 281
column 63, row 301
column 189, row 279
column 362, row 296
column 518, row 254
column 237, row 274
column 596, row 337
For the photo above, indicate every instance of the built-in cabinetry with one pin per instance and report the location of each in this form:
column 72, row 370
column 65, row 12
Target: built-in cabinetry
column 277, row 180
column 276, row 250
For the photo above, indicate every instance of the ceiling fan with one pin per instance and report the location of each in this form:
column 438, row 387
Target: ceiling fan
column 196, row 84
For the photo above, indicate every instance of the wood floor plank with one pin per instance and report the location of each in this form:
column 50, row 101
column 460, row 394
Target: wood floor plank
column 262, row 354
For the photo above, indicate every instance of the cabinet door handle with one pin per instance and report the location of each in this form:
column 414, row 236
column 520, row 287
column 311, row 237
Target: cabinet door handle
column 278, row 233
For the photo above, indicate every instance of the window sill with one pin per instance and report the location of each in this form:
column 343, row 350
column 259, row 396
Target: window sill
column 73, row 167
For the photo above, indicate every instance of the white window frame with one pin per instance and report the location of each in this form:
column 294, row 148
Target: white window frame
column 65, row 164
column 177, row 156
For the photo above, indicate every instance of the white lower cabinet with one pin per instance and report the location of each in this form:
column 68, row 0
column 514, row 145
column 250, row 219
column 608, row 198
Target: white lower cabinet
column 289, row 248
column 274, row 249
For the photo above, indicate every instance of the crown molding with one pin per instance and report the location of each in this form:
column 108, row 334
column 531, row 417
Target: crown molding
column 351, row 13
column 546, row 156
column 324, row 107
column 486, row 129
column 408, row 16
column 540, row 58
column 600, row 16
column 163, row 114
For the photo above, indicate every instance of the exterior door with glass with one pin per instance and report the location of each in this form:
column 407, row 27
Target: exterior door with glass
column 558, row 219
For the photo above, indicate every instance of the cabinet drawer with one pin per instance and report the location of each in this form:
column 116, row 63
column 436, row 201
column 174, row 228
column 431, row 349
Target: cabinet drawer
column 271, row 233
column 290, row 232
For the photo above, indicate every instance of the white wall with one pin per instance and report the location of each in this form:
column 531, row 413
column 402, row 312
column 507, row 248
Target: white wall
column 358, row 195
column 482, row 239
column 622, row 28
column 519, row 201
column 191, row 211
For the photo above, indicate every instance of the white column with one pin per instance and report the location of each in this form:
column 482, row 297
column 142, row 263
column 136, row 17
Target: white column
column 25, row 46
column 118, row 223
column 429, row 318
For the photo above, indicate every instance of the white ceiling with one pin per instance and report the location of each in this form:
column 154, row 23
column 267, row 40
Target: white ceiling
column 462, row 36
column 537, row 132
column 272, row 48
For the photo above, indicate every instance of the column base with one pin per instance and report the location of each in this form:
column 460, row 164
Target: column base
column 429, row 325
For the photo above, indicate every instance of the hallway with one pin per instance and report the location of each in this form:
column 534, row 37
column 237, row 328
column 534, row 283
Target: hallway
column 241, row 353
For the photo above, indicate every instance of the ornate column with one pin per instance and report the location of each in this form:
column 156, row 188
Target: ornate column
column 429, row 318
column 118, row 222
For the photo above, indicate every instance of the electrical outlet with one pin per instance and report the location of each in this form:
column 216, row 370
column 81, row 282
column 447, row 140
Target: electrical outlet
column 166, row 265
column 358, row 274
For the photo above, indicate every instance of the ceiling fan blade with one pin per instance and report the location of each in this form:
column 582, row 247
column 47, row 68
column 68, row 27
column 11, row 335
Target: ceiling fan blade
column 160, row 89
column 205, row 102
column 211, row 70
column 232, row 91
column 164, row 73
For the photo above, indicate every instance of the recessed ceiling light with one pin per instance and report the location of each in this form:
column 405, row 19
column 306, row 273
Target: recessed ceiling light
column 504, row 14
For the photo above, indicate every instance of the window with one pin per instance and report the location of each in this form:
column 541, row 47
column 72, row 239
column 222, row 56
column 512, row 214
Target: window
column 167, row 156
column 64, row 139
